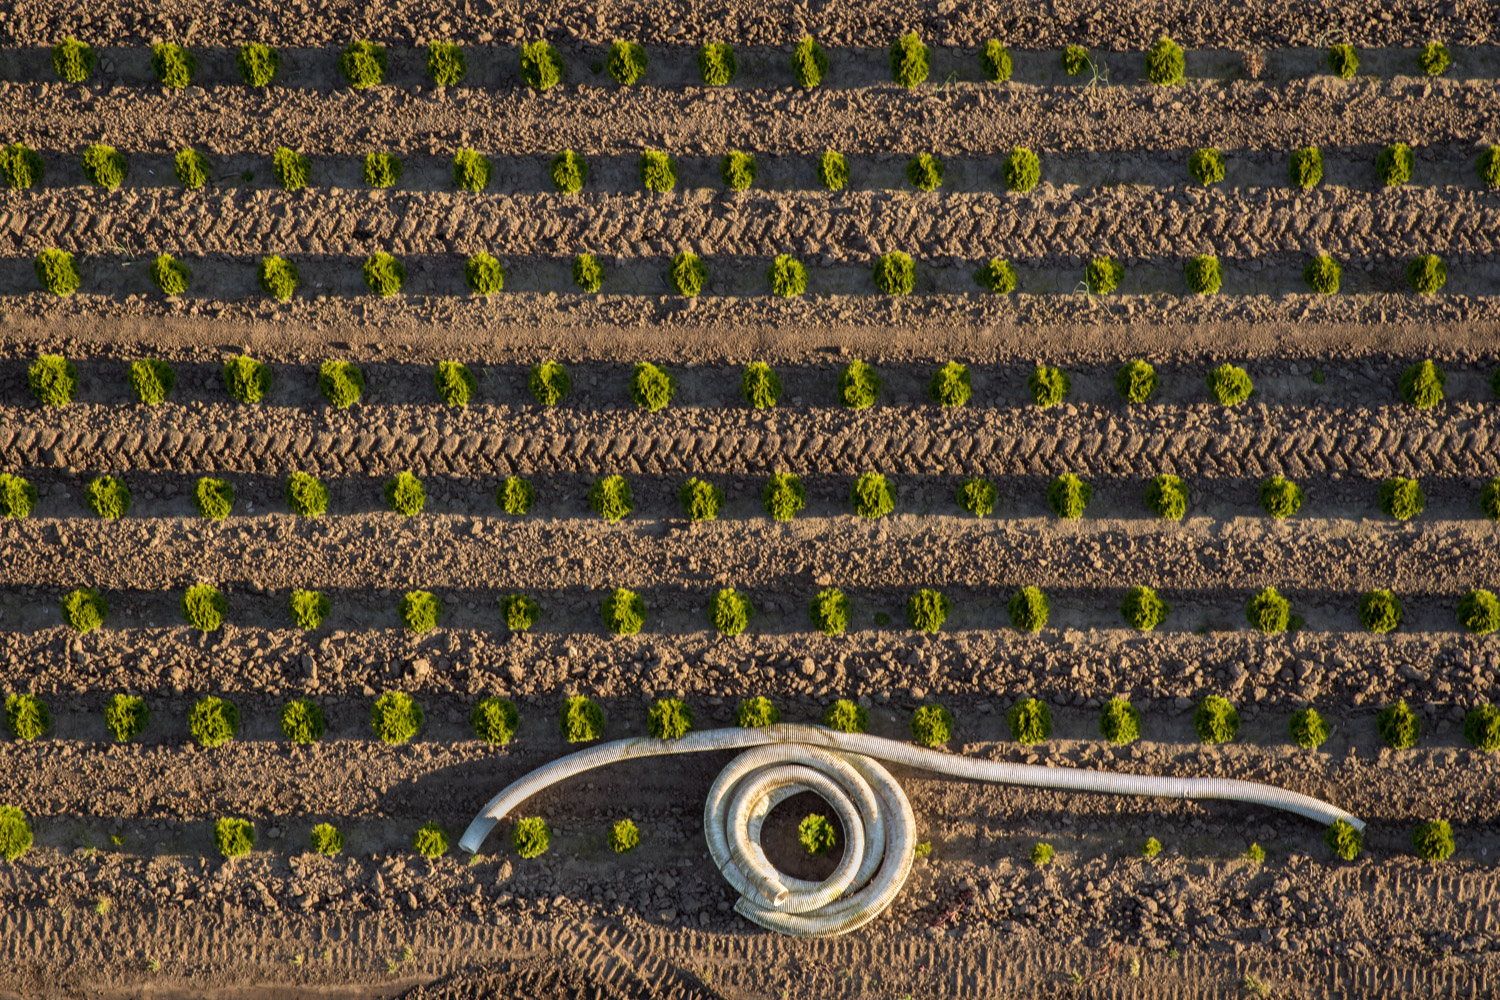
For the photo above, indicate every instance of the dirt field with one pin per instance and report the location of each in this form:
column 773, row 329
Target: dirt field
column 124, row 893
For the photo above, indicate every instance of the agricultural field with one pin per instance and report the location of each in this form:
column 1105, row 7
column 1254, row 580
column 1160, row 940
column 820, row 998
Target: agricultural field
column 397, row 398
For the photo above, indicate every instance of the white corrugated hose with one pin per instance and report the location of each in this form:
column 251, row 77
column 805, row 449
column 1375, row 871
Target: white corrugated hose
column 879, row 827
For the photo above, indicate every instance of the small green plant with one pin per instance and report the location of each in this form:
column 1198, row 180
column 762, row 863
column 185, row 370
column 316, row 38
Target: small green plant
column 173, row 65
column 1023, row 170
column 1488, row 166
column 611, row 499
column 700, row 500
column 1380, row 611
column 363, row 64
column 1030, row 721
column 327, row 840
column 20, row 166
column 1433, row 59
column 532, row 837
column 1255, row 854
column 1165, row 63
column 454, row 383
column 997, row 276
column 1343, row 61
column 1103, row 275
column 405, row 494
column 191, row 168
column 1069, row 496
column 925, row 172
column 396, row 717
column 909, row 60
column 651, row 388
column 977, row 496
column 104, row 166
column 1308, row 729
column 420, row 611
column 624, row 837
column 302, row 721
column 308, row 608
column 278, row 277
column 1206, row 165
column 169, row 275
column 520, row 611
column 1401, row 498
column 950, row 385
column 846, row 716
column 1433, row 841
column 1269, row 612
column 922, row 850
column 108, row 497
column 1075, row 59
column 246, row 379
column 1203, row 274
column 995, row 60
column 1482, row 728
column 1216, row 720
column 1422, row 385
column 384, row 275
column 84, row 610
column 1343, row 839
column 1230, row 384
column 1136, row 381
column 569, row 172
column 382, row 170
column 1489, row 498
column 126, row 717
column 581, row 720
column 1150, row 849
column 624, row 612
column 73, row 60
column 716, row 63
column 788, row 276
column 1042, row 854
column 1306, row 167
column 17, row 496
column 784, row 496
column 833, row 170
column 291, row 169
column 515, row 496
column 669, row 719
column 737, row 170
column 829, row 611
column 152, row 381
column 1394, row 164
column 234, row 838
column 1028, row 609
column 213, row 722
column 1426, row 274
column 730, row 611
column 756, row 713
column 1479, row 612
column 927, row 609
column 446, row 64
column 1279, row 497
column 931, row 725
column 816, row 834
column 258, row 64
column 859, row 384
column 687, row 273
column 1142, row 609
column 1398, row 726
column 895, row 273
column 494, row 720
column 306, row 495
column 431, row 842
column 341, row 383
column 27, row 717
column 471, row 170
column 1049, row 386
column 1167, row 498
column 761, row 385
column 57, row 272
column 627, row 62
column 658, row 171
column 204, row 607
column 52, row 379
column 809, row 63
column 873, row 496
column 1120, row 723
column 549, row 382
column 1323, row 274
column 588, row 273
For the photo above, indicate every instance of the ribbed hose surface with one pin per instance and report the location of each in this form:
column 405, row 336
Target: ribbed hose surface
column 879, row 827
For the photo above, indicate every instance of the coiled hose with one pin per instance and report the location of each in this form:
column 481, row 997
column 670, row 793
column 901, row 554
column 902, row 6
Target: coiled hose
column 879, row 826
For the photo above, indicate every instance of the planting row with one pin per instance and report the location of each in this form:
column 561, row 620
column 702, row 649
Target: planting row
column 893, row 273
column 53, row 380
column 106, row 167
column 729, row 611
column 364, row 64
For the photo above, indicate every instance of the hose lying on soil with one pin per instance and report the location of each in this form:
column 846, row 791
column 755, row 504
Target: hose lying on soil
column 879, row 827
